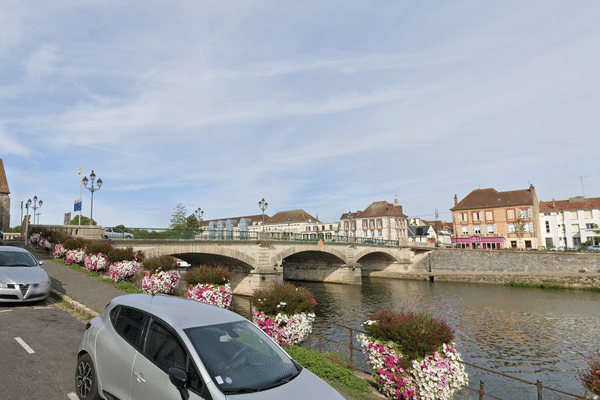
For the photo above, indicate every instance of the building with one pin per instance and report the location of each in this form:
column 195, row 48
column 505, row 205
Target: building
column 300, row 223
column 570, row 223
column 443, row 230
column 489, row 219
column 4, row 200
column 422, row 234
column 381, row 220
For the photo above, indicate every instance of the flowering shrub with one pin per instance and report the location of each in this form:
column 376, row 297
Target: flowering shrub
column 161, row 282
column 286, row 330
column 219, row 295
column 34, row 239
column 436, row 376
column 123, row 270
column 58, row 251
column 75, row 256
column 95, row 262
column 205, row 274
column 164, row 263
column 591, row 378
column 284, row 312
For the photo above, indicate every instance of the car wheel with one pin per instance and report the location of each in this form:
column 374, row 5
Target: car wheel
column 86, row 384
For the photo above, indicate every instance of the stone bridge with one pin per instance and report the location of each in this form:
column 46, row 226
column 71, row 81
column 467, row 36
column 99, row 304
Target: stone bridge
column 258, row 262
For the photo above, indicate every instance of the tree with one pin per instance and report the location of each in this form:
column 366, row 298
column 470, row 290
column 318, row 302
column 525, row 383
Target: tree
column 178, row 218
column 85, row 221
column 191, row 222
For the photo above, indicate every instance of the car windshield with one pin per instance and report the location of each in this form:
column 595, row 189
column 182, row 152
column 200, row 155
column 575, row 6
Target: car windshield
column 241, row 358
column 16, row 259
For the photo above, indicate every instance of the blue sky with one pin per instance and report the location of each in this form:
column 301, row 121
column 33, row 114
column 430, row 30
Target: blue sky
column 323, row 106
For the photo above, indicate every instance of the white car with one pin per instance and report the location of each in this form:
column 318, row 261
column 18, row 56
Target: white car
column 22, row 278
column 146, row 347
column 116, row 233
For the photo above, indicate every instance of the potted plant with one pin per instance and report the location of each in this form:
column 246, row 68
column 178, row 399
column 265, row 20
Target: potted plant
column 210, row 285
column 412, row 355
column 284, row 312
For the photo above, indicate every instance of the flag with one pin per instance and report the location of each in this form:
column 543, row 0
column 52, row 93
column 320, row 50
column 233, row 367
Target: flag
column 77, row 206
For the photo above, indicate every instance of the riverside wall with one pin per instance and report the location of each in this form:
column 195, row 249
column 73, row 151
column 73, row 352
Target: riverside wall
column 484, row 266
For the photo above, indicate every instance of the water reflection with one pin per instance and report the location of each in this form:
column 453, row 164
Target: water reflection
column 529, row 333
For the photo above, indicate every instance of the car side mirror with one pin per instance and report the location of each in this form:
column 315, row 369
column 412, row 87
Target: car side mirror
column 178, row 377
column 41, row 263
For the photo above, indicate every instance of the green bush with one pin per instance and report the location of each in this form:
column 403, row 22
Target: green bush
column 297, row 299
column 204, row 274
column 127, row 254
column 417, row 334
column 166, row 263
column 99, row 247
column 75, row 243
column 326, row 369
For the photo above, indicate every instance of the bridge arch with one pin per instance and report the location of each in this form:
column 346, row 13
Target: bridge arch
column 278, row 258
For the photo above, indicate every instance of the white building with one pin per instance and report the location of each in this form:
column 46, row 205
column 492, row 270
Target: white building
column 298, row 223
column 569, row 223
column 381, row 220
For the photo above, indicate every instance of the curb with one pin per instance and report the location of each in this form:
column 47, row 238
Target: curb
column 77, row 305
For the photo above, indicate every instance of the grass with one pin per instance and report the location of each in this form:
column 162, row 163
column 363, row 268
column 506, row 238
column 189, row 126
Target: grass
column 549, row 285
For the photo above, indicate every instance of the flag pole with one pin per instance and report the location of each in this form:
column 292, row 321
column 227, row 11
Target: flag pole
column 80, row 169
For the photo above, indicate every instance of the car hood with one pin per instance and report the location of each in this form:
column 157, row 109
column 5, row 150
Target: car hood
column 25, row 275
column 306, row 386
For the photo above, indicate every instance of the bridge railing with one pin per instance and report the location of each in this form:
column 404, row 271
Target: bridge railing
column 197, row 234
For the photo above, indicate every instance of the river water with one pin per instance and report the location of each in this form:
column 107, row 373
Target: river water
column 532, row 334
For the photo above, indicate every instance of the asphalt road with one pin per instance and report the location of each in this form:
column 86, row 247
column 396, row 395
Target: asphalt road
column 38, row 347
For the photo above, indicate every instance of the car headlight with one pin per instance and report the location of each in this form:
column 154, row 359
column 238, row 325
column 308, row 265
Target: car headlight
column 45, row 284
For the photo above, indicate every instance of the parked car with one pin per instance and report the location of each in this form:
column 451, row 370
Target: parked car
column 1, row 238
column 22, row 278
column 146, row 347
column 116, row 233
column 593, row 248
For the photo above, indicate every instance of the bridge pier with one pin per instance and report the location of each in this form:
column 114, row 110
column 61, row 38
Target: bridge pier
column 257, row 279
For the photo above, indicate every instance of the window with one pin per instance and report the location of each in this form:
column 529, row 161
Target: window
column 511, row 228
column 590, row 226
column 372, row 224
column 575, row 228
column 510, row 214
column 489, row 216
column 587, row 214
column 573, row 215
column 549, row 244
column 576, row 240
column 526, row 227
column 365, row 224
column 129, row 323
column 379, row 224
column 163, row 349
column 524, row 213
column 476, row 216
column 463, row 217
column 547, row 226
column 465, row 230
column 490, row 229
column 477, row 229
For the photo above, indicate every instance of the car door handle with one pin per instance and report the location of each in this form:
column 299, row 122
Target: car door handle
column 140, row 377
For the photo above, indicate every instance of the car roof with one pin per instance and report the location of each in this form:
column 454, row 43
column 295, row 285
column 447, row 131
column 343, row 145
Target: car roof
column 179, row 312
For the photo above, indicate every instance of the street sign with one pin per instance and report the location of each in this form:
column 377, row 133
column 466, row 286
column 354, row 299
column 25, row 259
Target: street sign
column 77, row 206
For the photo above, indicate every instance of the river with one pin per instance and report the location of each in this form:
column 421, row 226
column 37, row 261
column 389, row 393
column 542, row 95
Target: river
column 532, row 334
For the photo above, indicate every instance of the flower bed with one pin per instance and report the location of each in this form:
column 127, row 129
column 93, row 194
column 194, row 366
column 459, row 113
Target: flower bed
column 412, row 356
column 218, row 295
column 124, row 270
column 161, row 282
column 95, row 262
column 58, row 251
column 284, row 312
column 75, row 256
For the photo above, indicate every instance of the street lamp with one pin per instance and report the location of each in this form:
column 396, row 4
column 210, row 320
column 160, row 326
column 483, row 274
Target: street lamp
column 263, row 206
column 27, row 205
column 36, row 204
column 92, row 189
column 199, row 213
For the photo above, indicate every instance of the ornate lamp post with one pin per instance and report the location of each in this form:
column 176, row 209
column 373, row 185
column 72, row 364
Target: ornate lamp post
column 263, row 206
column 91, row 189
column 199, row 213
column 36, row 204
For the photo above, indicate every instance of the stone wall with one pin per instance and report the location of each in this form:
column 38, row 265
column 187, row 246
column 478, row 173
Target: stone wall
column 485, row 261
column 484, row 266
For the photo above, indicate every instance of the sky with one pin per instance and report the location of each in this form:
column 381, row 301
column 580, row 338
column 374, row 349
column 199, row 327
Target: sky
column 325, row 106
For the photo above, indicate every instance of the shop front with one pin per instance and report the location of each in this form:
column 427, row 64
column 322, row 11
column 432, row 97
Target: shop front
column 478, row 242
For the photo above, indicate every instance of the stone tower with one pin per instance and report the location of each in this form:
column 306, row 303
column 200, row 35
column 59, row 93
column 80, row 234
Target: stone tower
column 4, row 200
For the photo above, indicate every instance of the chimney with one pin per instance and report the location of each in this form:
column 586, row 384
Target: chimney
column 396, row 202
column 455, row 201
